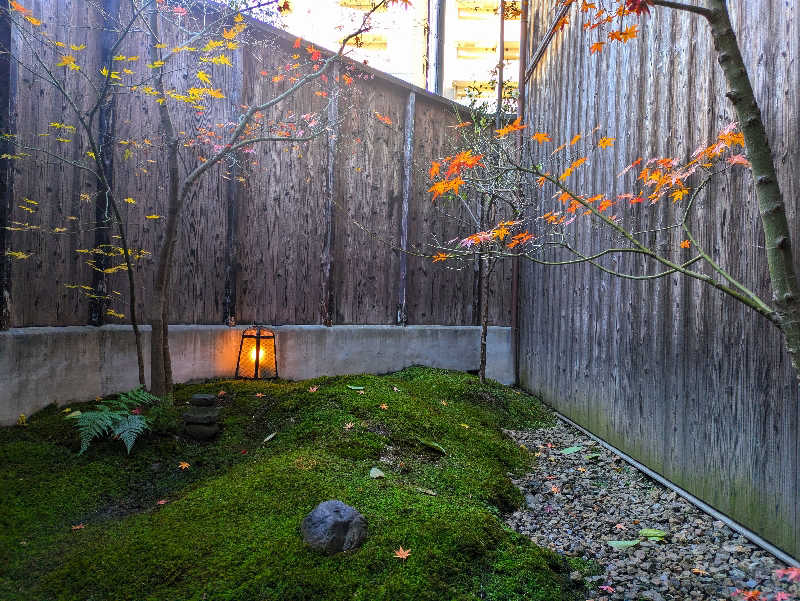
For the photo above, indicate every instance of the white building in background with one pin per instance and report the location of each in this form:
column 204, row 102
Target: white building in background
column 403, row 41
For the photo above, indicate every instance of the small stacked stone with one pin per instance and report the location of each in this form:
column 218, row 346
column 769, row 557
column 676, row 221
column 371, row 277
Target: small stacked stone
column 200, row 421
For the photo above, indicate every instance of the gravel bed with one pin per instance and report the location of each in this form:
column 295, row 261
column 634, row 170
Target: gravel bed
column 579, row 500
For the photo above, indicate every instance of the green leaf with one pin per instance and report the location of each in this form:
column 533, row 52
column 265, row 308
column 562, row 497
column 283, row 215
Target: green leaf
column 623, row 544
column 591, row 456
column 432, row 445
column 652, row 534
column 571, row 450
column 355, row 387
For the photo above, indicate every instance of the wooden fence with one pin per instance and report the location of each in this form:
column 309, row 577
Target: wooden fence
column 692, row 384
column 279, row 247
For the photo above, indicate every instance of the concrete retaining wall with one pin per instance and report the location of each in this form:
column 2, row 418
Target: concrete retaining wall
column 39, row 366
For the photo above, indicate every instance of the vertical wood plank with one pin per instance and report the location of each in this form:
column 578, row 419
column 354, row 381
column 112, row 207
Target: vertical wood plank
column 408, row 163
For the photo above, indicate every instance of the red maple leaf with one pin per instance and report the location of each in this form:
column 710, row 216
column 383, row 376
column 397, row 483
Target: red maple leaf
column 639, row 6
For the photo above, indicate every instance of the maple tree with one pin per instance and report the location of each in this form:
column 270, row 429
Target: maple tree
column 170, row 54
column 552, row 205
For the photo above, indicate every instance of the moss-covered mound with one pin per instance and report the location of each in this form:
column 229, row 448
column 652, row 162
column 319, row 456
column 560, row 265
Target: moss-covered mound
column 229, row 528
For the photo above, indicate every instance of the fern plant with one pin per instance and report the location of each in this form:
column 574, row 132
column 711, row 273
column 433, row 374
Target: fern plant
column 116, row 417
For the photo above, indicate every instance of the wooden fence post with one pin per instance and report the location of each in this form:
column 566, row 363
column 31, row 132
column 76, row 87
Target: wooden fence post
column 232, row 263
column 326, row 303
column 6, row 166
column 408, row 164
column 523, row 59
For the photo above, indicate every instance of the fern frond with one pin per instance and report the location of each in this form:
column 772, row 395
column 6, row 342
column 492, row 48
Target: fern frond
column 94, row 424
column 128, row 429
column 113, row 416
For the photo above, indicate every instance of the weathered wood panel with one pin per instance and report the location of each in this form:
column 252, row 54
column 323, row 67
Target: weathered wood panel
column 686, row 380
column 251, row 238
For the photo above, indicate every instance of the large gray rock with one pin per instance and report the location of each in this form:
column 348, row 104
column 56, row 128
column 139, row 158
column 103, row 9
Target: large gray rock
column 333, row 526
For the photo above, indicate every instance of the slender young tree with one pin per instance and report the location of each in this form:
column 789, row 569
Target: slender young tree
column 552, row 205
column 188, row 44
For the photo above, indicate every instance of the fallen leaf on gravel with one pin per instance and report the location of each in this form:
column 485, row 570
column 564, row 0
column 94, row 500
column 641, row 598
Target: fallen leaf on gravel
column 623, row 544
column 791, row 574
column 620, row 527
column 652, row 534
column 571, row 450
column 606, row 588
column 699, row 572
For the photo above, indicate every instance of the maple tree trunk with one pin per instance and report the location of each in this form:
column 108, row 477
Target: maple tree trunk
column 160, row 363
column 484, row 314
column 777, row 234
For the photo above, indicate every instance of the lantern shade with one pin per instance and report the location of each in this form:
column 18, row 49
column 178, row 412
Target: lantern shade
column 257, row 359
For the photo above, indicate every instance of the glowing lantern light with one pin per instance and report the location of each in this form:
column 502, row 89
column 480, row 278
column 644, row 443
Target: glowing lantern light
column 257, row 359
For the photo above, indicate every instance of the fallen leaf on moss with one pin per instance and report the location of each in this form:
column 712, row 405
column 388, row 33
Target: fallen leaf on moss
column 402, row 553
column 183, row 465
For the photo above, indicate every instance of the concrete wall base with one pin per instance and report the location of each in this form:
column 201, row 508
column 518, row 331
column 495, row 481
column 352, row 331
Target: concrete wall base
column 39, row 366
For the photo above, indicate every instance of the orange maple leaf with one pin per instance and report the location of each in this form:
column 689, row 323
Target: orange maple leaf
column 384, row 406
column 596, row 47
column 519, row 239
column 434, row 170
column 679, row 194
column 462, row 124
column 515, row 126
column 402, row 553
column 541, row 137
column 441, row 257
column 562, row 23
column 80, row 526
column 629, row 33
column 439, row 188
column 183, row 465
column 575, row 139
column 685, row 244
column 605, row 142
column 615, row 36
column 19, row 8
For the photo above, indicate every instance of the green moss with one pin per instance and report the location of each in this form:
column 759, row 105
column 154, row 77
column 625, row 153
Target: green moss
column 230, row 528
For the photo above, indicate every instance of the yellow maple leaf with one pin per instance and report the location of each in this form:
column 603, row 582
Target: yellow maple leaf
column 152, row 216
column 605, row 142
column 204, row 77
